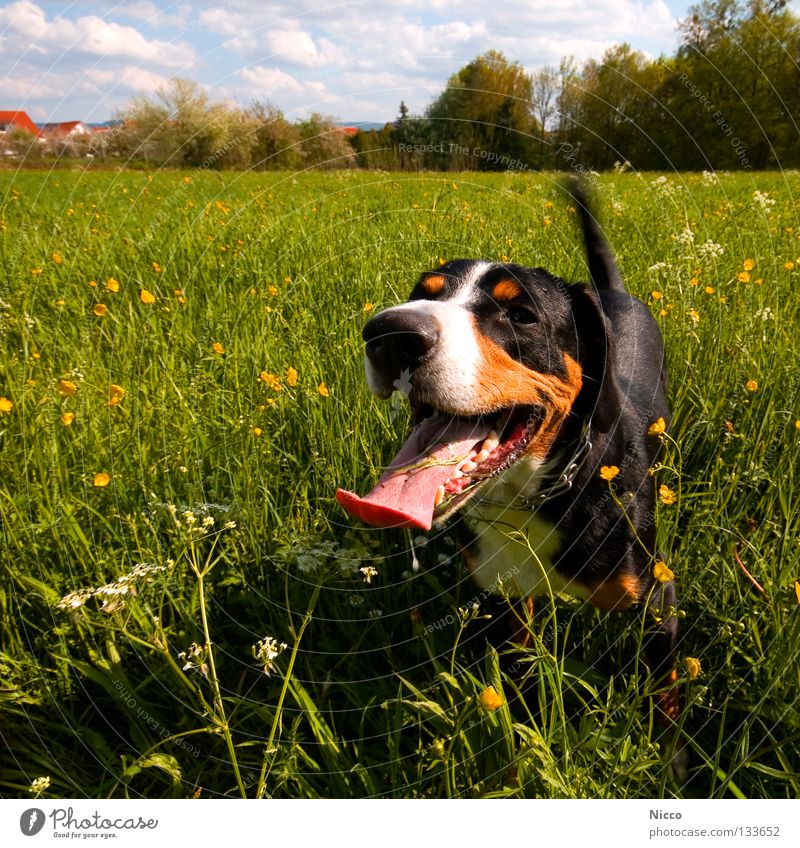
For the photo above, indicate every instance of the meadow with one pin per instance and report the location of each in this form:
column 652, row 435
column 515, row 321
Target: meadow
column 185, row 611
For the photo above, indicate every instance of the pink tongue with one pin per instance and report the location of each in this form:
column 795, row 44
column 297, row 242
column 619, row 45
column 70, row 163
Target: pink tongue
column 404, row 497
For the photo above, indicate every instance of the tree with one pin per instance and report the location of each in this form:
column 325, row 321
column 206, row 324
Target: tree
column 323, row 144
column 276, row 142
column 182, row 126
column 485, row 114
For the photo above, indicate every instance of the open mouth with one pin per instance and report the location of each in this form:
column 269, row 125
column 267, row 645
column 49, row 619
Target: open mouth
column 443, row 463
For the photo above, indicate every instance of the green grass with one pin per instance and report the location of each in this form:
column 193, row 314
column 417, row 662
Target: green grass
column 377, row 691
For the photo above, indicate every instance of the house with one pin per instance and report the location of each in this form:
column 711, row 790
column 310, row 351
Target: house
column 14, row 119
column 65, row 129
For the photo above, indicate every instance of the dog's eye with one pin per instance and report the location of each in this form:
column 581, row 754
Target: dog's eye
column 521, row 315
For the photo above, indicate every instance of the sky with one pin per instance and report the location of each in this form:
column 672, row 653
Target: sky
column 353, row 59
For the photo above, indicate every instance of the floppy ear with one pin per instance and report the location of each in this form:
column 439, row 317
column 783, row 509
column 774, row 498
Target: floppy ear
column 599, row 396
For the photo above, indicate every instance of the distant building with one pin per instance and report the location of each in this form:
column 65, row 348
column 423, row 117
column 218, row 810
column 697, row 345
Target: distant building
column 11, row 120
column 65, row 129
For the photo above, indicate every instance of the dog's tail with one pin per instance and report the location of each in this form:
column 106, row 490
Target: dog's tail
column 603, row 269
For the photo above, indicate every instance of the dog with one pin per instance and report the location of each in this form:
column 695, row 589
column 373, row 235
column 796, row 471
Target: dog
column 522, row 388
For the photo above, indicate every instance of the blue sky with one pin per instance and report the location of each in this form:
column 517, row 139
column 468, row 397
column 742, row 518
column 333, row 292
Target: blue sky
column 354, row 59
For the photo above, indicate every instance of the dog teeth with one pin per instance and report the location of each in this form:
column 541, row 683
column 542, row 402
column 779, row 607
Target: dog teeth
column 439, row 496
column 468, row 466
column 483, row 454
column 457, row 473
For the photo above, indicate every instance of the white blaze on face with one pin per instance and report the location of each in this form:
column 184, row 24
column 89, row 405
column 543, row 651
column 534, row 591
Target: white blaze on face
column 450, row 374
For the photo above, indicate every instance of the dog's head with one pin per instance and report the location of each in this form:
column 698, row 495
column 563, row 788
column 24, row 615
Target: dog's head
column 493, row 359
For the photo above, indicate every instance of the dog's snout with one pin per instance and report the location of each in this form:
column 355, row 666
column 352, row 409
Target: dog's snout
column 400, row 340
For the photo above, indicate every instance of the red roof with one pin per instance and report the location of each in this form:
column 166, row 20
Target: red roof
column 18, row 120
column 60, row 128
column 349, row 130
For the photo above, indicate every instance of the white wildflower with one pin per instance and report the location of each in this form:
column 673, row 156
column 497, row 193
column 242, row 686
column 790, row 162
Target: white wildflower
column 40, row 784
column 194, row 659
column 686, row 237
column 710, row 250
column 710, row 178
column 229, row 525
column 657, row 268
column 375, row 613
column 763, row 200
column 369, row 572
column 267, row 650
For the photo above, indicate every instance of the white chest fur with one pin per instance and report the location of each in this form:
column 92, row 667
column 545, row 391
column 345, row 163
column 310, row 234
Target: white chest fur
column 515, row 547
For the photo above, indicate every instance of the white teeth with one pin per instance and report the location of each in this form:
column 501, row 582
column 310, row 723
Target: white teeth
column 484, row 454
column 457, row 473
column 493, row 437
column 468, row 466
column 439, row 496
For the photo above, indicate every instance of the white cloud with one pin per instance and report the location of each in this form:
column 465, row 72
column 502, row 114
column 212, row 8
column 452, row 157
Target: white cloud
column 26, row 28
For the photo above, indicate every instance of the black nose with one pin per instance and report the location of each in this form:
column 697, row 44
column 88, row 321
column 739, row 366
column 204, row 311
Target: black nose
column 399, row 340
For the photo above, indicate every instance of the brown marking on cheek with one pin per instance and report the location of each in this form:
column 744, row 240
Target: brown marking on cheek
column 433, row 284
column 502, row 382
column 506, row 290
column 618, row 592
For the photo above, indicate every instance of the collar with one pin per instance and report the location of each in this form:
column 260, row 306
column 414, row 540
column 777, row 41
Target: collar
column 555, row 483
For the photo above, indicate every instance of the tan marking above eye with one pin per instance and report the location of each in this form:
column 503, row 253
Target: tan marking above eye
column 506, row 290
column 433, row 284
column 619, row 592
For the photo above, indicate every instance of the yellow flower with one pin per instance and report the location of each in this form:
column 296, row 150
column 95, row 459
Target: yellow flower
column 156, row 267
column 218, row 348
column 271, row 380
column 662, row 572
column 66, row 387
column 609, row 472
column 147, row 297
column 368, row 307
column 36, row 271
column 101, row 479
column 273, row 290
column 67, row 418
column 257, row 431
column 797, row 424
column 656, row 295
column 710, row 289
column 291, row 377
column 187, row 180
column 116, row 393
column 797, row 590
column 112, row 285
column 323, row 389
column 666, row 495
column 788, row 265
column 748, row 265
column 751, row 385
column 5, row 406
column 489, row 699
column 92, row 284
column 693, row 667
column 100, row 309
column 694, row 315
column 743, row 276
column 57, row 258
column 60, row 302
column 694, row 281
column 657, row 427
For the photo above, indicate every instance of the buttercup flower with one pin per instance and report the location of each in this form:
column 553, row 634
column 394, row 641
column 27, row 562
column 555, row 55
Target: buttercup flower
column 657, row 427
column 323, row 389
column 67, row 418
column 291, row 377
column 489, row 699
column 101, row 479
column 66, row 387
column 116, row 393
column 147, row 297
column 662, row 572
column 218, row 348
column 5, row 406
column 751, row 385
column 609, row 472
column 112, row 285
column 666, row 495
column 100, row 309
column 693, row 667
